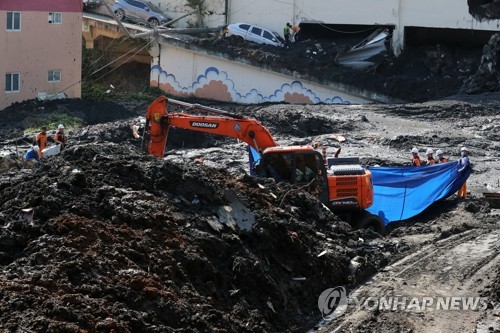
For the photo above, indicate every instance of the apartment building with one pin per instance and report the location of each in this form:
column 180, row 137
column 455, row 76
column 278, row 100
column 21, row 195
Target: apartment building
column 40, row 49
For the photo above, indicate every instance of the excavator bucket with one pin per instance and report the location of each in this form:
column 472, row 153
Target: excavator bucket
column 155, row 133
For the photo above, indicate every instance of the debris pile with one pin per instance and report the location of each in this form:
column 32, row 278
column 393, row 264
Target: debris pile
column 103, row 238
column 487, row 77
column 421, row 73
column 31, row 114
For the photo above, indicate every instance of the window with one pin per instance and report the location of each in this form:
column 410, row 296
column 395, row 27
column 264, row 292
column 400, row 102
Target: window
column 55, row 76
column 137, row 4
column 55, row 18
column 268, row 35
column 12, row 82
column 244, row 26
column 13, row 21
column 256, row 31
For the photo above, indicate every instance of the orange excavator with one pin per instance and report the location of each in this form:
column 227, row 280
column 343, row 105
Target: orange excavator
column 342, row 184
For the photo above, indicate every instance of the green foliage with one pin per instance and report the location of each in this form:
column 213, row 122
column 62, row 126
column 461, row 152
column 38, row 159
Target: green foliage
column 94, row 91
column 100, row 92
column 93, row 87
column 51, row 121
column 149, row 93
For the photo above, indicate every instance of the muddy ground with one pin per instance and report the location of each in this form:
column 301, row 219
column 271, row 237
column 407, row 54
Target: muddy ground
column 104, row 238
column 117, row 241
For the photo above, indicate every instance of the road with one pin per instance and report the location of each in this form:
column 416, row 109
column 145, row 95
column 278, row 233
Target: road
column 458, row 266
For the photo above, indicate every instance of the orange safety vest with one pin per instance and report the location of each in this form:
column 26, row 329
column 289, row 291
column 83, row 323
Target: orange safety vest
column 60, row 137
column 431, row 161
column 416, row 161
column 41, row 141
column 157, row 131
column 442, row 160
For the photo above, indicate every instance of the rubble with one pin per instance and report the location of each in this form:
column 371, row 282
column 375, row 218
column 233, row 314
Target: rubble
column 486, row 78
column 420, row 73
column 119, row 242
column 105, row 238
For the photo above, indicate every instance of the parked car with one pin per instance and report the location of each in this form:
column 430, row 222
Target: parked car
column 139, row 11
column 255, row 34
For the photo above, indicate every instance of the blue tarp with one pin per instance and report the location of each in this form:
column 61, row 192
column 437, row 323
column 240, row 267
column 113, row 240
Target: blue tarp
column 403, row 192
column 253, row 159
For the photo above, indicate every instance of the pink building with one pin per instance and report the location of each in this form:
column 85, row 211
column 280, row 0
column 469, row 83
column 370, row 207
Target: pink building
column 40, row 49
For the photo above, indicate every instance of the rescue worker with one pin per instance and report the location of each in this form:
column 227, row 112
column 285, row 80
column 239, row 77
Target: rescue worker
column 463, row 164
column 60, row 137
column 430, row 158
column 41, row 141
column 295, row 30
column 303, row 172
column 416, row 159
column 32, row 154
column 286, row 33
column 440, row 157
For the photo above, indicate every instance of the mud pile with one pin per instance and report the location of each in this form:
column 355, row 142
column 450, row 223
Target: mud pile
column 113, row 240
column 421, row 73
column 299, row 122
column 487, row 76
column 29, row 114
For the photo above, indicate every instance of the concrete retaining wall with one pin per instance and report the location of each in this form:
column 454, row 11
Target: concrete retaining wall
column 182, row 72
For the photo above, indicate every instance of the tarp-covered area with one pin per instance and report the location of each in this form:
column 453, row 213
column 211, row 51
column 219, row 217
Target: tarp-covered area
column 403, row 192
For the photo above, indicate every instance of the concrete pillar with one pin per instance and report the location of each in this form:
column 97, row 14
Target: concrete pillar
column 87, row 36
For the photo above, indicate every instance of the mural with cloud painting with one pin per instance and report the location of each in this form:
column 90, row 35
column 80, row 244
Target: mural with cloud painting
column 217, row 85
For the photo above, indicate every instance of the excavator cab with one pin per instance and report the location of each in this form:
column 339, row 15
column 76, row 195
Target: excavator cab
column 302, row 167
column 346, row 188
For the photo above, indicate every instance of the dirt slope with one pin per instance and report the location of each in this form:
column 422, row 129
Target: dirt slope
column 123, row 241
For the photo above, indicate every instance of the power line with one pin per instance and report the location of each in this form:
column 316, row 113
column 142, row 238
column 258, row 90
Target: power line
column 142, row 48
column 109, row 46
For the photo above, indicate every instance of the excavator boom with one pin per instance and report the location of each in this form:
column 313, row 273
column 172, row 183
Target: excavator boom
column 344, row 186
column 158, row 121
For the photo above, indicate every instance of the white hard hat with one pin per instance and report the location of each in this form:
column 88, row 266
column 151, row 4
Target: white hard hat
column 60, row 126
column 414, row 150
column 464, row 149
column 36, row 148
column 429, row 151
column 439, row 152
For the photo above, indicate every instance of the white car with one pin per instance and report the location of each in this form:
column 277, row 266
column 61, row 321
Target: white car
column 255, row 34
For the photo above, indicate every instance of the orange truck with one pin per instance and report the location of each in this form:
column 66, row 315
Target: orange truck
column 342, row 184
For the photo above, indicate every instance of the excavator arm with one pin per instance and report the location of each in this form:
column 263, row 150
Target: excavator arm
column 158, row 121
column 348, row 190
